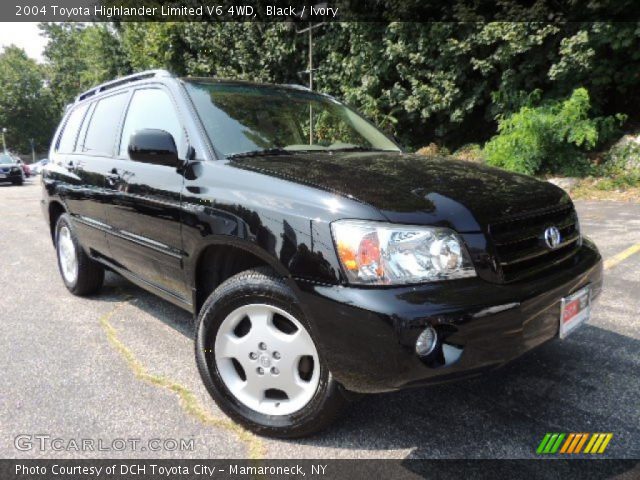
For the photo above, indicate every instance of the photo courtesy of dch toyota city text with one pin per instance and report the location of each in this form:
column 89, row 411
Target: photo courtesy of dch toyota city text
column 329, row 239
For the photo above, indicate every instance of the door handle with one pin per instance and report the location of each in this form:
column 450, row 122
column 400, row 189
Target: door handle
column 113, row 177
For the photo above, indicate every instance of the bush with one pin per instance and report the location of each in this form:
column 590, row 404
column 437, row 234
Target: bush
column 552, row 137
column 433, row 150
column 471, row 152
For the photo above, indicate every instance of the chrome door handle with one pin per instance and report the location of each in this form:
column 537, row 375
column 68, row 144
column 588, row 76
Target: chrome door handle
column 113, row 177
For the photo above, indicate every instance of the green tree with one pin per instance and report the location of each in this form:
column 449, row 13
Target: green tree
column 442, row 81
column 604, row 57
column 80, row 56
column 447, row 82
column 25, row 101
column 251, row 51
column 154, row 45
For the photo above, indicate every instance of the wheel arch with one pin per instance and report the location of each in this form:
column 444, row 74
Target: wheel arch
column 55, row 209
column 219, row 260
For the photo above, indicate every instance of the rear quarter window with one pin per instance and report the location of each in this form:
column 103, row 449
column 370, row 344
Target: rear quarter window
column 101, row 133
column 69, row 134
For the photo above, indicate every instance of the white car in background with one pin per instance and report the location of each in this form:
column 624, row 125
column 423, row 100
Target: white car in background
column 36, row 168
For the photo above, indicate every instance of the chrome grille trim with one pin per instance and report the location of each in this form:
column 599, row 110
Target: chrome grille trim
column 518, row 241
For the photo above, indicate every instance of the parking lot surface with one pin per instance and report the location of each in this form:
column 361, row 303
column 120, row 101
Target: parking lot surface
column 119, row 365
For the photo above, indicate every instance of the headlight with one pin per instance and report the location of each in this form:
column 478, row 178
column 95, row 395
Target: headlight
column 15, row 169
column 388, row 254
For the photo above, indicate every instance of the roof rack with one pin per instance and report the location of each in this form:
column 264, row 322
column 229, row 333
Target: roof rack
column 121, row 81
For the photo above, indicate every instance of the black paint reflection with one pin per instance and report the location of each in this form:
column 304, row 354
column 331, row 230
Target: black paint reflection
column 401, row 184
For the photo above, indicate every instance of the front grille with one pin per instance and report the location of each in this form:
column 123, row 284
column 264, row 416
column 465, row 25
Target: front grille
column 519, row 244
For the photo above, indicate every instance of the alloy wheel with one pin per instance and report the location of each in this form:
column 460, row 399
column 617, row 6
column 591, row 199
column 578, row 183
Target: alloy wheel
column 267, row 359
column 67, row 255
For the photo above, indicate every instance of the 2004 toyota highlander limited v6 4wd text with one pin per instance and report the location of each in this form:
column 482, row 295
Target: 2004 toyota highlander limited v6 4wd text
column 319, row 259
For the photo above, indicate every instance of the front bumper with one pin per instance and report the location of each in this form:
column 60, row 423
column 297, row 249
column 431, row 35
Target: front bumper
column 10, row 176
column 367, row 335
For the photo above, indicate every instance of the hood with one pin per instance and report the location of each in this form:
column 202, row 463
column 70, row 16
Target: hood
column 409, row 188
column 8, row 166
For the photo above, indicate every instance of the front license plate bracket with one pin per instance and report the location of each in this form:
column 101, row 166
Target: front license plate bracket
column 574, row 311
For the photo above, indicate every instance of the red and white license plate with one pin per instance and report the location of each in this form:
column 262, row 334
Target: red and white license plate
column 574, row 311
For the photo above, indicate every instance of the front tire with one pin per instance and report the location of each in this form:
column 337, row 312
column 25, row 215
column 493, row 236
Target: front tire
column 80, row 274
column 259, row 362
column 19, row 181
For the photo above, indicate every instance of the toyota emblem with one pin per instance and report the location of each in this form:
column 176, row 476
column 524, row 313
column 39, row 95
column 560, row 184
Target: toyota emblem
column 552, row 237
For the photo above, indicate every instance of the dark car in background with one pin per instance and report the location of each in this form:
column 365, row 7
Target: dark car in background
column 11, row 169
column 318, row 259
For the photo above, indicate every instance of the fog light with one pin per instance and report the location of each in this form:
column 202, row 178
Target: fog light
column 426, row 342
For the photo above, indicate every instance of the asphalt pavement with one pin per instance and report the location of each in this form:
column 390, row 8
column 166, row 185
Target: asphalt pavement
column 118, row 369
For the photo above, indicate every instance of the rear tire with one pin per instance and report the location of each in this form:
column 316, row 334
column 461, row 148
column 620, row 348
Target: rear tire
column 80, row 274
column 255, row 374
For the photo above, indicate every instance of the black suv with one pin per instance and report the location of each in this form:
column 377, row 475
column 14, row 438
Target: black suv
column 319, row 259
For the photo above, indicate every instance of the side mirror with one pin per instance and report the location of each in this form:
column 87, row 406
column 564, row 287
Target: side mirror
column 153, row 146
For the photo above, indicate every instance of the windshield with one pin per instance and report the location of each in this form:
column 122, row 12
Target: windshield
column 4, row 159
column 244, row 118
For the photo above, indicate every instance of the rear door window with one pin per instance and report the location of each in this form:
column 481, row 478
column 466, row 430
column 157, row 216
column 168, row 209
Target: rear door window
column 69, row 135
column 150, row 108
column 101, row 133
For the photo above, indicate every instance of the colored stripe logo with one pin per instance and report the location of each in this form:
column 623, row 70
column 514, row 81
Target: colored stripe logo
column 574, row 443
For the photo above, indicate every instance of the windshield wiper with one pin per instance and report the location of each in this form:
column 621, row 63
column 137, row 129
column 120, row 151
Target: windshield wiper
column 358, row 148
column 260, row 153
column 283, row 151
